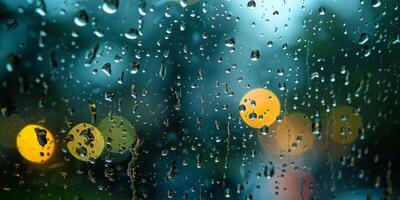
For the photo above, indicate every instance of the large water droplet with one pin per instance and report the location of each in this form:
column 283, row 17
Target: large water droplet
column 81, row 18
column 251, row 4
column 110, row 6
column 376, row 3
column 253, row 116
column 255, row 55
column 322, row 10
column 183, row 3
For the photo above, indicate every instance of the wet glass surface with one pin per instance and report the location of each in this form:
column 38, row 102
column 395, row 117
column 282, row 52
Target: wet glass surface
column 195, row 99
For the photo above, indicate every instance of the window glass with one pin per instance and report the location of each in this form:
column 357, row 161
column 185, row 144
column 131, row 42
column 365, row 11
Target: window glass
column 199, row 99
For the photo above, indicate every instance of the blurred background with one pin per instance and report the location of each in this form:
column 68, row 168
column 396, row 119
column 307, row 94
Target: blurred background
column 162, row 87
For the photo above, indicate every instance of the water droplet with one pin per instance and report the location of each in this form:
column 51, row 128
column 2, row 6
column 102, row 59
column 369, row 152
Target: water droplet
column 264, row 130
column 41, row 136
column 282, row 86
column 270, row 44
column 99, row 33
column 365, row 51
column 230, row 42
column 183, row 3
column 131, row 34
column 199, row 162
column 41, row 8
column 134, row 67
column 81, row 151
column 163, row 71
column 11, row 62
column 251, row 4
column 253, row 103
column 91, row 54
column 182, row 26
column 376, row 3
column 253, row 116
column 255, row 55
column 269, row 170
column 242, row 108
column 81, row 18
column 363, row 38
column 110, row 6
column 106, row 69
column 280, row 71
column 322, row 10
column 316, row 126
column 227, row 193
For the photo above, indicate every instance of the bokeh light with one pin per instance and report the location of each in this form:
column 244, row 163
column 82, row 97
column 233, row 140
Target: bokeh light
column 319, row 119
column 296, row 184
column 293, row 134
column 35, row 143
column 85, row 142
column 118, row 132
column 259, row 107
column 344, row 124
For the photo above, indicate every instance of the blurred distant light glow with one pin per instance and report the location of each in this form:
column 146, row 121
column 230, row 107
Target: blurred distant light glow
column 259, row 107
column 118, row 133
column 35, row 143
column 85, row 142
column 344, row 124
column 294, row 184
column 293, row 134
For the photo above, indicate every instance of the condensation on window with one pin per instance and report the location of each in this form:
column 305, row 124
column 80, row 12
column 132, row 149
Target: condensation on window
column 200, row 99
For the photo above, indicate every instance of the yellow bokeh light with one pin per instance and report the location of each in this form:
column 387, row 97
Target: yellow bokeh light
column 259, row 107
column 294, row 133
column 118, row 132
column 35, row 143
column 85, row 142
column 344, row 124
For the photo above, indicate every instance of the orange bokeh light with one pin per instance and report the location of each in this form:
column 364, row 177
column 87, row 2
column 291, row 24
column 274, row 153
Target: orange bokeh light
column 294, row 134
column 259, row 107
